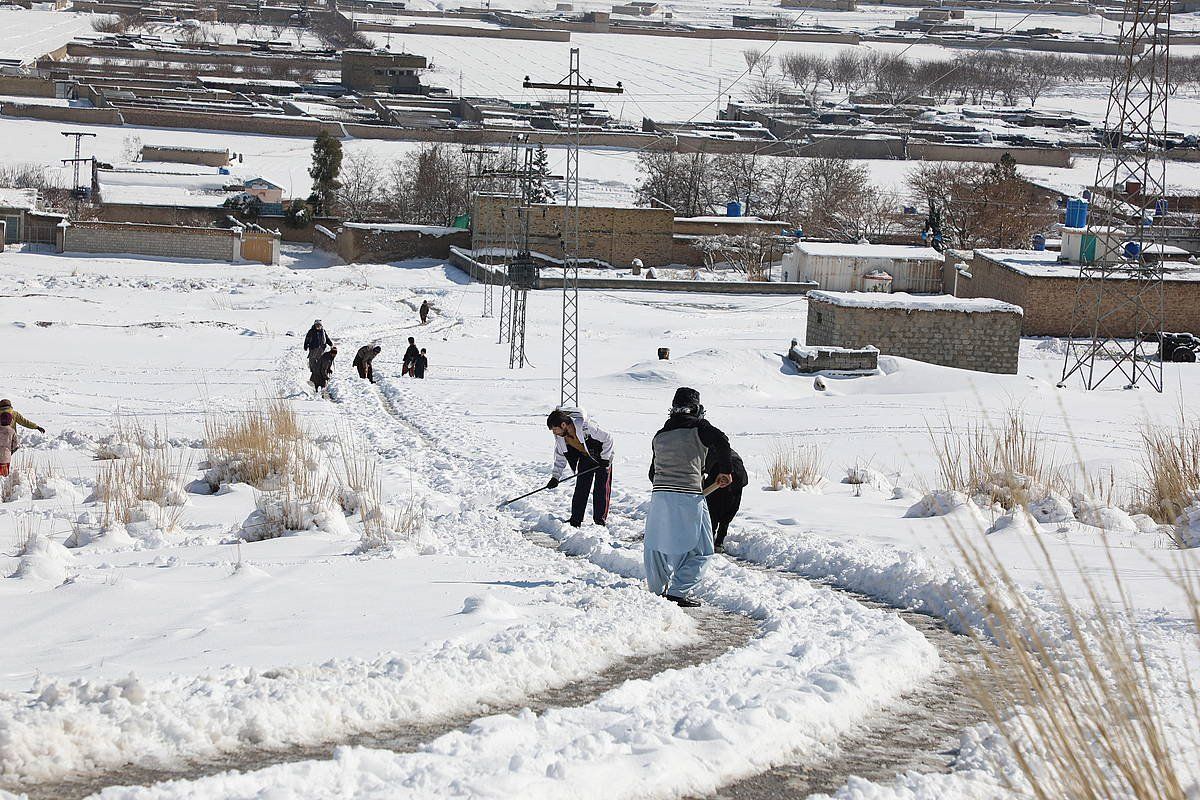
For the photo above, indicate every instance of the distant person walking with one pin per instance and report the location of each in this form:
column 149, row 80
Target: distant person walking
column 363, row 361
column 586, row 448
column 424, row 312
column 6, row 407
column 316, row 342
column 323, row 372
column 679, row 536
column 410, row 357
column 420, row 364
column 724, row 502
column 8, row 441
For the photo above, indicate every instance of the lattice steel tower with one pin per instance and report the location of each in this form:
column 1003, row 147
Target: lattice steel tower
column 574, row 84
column 1120, row 288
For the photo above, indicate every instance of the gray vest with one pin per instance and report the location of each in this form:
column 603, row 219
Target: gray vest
column 679, row 461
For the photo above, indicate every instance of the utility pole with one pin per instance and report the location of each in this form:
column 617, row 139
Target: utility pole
column 574, row 84
column 1120, row 294
column 78, row 192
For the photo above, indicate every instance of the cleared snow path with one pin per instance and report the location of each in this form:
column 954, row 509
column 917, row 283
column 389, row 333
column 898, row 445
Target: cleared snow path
column 821, row 665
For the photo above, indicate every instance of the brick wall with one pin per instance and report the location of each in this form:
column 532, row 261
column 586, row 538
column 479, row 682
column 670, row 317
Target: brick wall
column 613, row 235
column 1049, row 302
column 981, row 341
column 165, row 241
column 25, row 86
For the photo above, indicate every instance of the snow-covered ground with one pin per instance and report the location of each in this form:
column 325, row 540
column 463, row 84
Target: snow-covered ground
column 26, row 34
column 161, row 645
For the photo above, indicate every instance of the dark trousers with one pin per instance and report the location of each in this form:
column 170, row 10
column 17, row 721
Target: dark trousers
column 723, row 505
column 365, row 371
column 597, row 483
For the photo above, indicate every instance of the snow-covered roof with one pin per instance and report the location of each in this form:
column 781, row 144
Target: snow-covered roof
column 905, row 301
column 262, row 182
column 1045, row 264
column 19, row 198
column 895, row 252
column 743, row 220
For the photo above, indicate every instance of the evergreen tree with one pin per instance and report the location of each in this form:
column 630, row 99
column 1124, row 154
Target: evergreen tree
column 326, row 164
column 540, row 189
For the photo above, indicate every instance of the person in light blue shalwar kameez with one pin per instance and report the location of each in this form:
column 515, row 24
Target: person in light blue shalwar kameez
column 679, row 535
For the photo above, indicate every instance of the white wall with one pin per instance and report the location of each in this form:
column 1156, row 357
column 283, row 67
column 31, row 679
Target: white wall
column 844, row 273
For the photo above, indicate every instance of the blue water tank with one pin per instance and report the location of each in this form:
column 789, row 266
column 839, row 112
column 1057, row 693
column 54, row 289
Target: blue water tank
column 222, row 170
column 1086, row 194
column 733, row 209
column 1132, row 249
column 1039, row 242
column 1160, row 207
column 1077, row 212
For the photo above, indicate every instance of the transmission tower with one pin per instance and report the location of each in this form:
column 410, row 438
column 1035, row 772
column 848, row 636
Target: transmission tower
column 574, row 84
column 1120, row 287
column 78, row 192
column 480, row 172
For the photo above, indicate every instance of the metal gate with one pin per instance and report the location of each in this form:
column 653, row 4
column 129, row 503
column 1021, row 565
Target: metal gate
column 258, row 247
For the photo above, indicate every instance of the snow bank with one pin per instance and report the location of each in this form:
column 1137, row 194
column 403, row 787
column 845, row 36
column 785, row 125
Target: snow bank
column 61, row 727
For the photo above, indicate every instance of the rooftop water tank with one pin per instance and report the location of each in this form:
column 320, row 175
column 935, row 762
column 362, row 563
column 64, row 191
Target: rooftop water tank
column 1039, row 242
column 733, row 209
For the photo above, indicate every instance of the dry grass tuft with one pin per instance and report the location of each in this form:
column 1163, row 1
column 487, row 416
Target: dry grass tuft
column 1170, row 470
column 261, row 447
column 1075, row 705
column 1005, row 463
column 794, row 466
column 123, row 485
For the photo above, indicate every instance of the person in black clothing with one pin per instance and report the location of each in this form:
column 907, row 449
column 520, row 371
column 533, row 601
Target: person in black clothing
column 316, row 341
column 362, row 361
column 424, row 312
column 679, row 535
column 420, row 364
column 324, row 370
column 724, row 501
column 410, row 357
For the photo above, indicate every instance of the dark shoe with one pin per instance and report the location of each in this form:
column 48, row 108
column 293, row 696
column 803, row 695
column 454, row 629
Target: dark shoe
column 575, row 524
column 683, row 602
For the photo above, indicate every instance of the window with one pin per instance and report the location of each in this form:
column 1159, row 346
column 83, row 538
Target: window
column 819, row 318
column 12, row 229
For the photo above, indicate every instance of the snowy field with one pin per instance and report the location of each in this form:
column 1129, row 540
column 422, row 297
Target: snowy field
column 26, row 35
column 175, row 637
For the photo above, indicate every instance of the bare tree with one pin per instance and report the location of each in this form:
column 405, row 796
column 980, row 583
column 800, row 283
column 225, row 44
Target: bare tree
column 360, row 193
column 682, row 181
column 753, row 56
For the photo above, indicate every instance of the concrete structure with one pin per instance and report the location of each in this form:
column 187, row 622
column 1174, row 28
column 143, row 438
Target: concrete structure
column 840, row 267
column 382, row 243
column 204, row 156
column 612, row 235
column 981, row 335
column 833, row 359
column 1046, row 290
column 249, row 243
column 381, row 71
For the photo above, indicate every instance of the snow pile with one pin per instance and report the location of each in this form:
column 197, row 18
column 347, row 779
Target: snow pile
column 44, row 560
column 280, row 513
column 1188, row 526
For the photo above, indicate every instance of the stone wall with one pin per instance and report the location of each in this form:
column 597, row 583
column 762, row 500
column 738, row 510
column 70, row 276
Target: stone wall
column 89, row 116
column 836, row 359
column 985, row 341
column 165, row 241
column 202, row 218
column 1049, row 302
column 272, row 124
column 1033, row 156
column 26, row 86
column 612, row 235
column 366, row 245
column 185, row 155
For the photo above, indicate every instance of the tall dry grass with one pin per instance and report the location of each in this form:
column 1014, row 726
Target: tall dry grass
column 794, row 466
column 1004, row 460
column 1170, row 475
column 259, row 447
column 1073, row 698
column 151, row 473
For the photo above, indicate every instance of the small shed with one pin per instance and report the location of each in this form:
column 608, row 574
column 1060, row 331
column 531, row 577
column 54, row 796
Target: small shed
column 267, row 193
column 15, row 206
column 842, row 267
